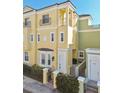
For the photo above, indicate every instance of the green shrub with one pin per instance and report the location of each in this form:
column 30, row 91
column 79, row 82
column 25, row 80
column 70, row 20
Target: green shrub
column 36, row 68
column 26, row 70
column 67, row 84
column 37, row 72
column 34, row 72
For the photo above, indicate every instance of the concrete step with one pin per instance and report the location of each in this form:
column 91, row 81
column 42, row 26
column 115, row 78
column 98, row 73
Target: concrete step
column 89, row 91
column 92, row 86
column 92, row 89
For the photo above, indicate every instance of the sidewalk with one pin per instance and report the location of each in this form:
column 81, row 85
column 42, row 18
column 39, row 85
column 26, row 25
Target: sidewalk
column 35, row 87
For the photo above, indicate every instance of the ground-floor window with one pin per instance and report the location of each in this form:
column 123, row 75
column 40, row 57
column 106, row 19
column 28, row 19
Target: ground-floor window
column 46, row 59
column 26, row 56
column 43, row 58
column 49, row 59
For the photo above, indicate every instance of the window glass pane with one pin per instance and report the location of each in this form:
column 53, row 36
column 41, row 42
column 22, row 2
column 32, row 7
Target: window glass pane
column 45, row 18
column 27, row 22
column 81, row 54
column 26, row 57
column 38, row 37
column 49, row 59
column 52, row 36
column 43, row 59
column 62, row 36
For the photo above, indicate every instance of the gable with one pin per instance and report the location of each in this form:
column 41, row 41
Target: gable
column 27, row 9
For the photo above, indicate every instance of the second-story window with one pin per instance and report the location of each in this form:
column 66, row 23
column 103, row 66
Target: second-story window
column 38, row 38
column 62, row 37
column 27, row 22
column 26, row 56
column 31, row 38
column 46, row 19
column 52, row 36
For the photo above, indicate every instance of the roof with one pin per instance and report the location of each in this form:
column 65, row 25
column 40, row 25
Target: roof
column 45, row 49
column 84, row 15
column 57, row 4
column 93, row 50
column 52, row 5
column 29, row 7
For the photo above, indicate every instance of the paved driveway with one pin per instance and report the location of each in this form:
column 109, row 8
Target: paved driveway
column 35, row 87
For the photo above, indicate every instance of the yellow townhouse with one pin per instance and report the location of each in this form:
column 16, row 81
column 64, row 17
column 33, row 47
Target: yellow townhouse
column 56, row 37
column 50, row 36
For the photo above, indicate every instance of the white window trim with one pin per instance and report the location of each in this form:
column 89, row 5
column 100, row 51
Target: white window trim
column 51, row 37
column 63, row 37
column 30, row 37
column 46, row 55
column 24, row 58
column 79, row 54
column 37, row 37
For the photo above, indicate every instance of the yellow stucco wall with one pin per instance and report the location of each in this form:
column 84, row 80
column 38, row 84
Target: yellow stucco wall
column 44, row 31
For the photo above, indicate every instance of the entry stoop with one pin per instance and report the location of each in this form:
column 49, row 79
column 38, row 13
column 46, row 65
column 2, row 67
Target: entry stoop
column 91, row 87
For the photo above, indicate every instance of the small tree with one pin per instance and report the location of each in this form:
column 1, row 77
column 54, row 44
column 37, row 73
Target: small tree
column 67, row 84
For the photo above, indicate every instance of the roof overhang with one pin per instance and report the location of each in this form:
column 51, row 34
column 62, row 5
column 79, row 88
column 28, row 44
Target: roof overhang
column 45, row 49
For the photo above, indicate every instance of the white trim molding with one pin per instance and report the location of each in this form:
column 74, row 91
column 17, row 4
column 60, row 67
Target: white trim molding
column 28, row 14
column 93, row 50
column 90, row 30
column 79, row 51
column 45, row 28
column 64, row 49
column 87, row 17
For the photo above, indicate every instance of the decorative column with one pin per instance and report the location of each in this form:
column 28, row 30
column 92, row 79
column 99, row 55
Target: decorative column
column 45, row 77
column 54, row 78
column 81, row 84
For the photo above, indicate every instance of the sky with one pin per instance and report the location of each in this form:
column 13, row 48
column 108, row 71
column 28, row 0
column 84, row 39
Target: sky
column 91, row 7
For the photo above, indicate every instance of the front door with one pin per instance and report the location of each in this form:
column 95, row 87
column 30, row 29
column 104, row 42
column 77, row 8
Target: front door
column 62, row 62
column 94, row 67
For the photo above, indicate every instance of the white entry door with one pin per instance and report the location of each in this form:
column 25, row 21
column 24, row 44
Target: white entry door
column 94, row 63
column 62, row 62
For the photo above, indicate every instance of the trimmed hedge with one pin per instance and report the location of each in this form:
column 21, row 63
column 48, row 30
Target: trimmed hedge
column 67, row 84
column 35, row 72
